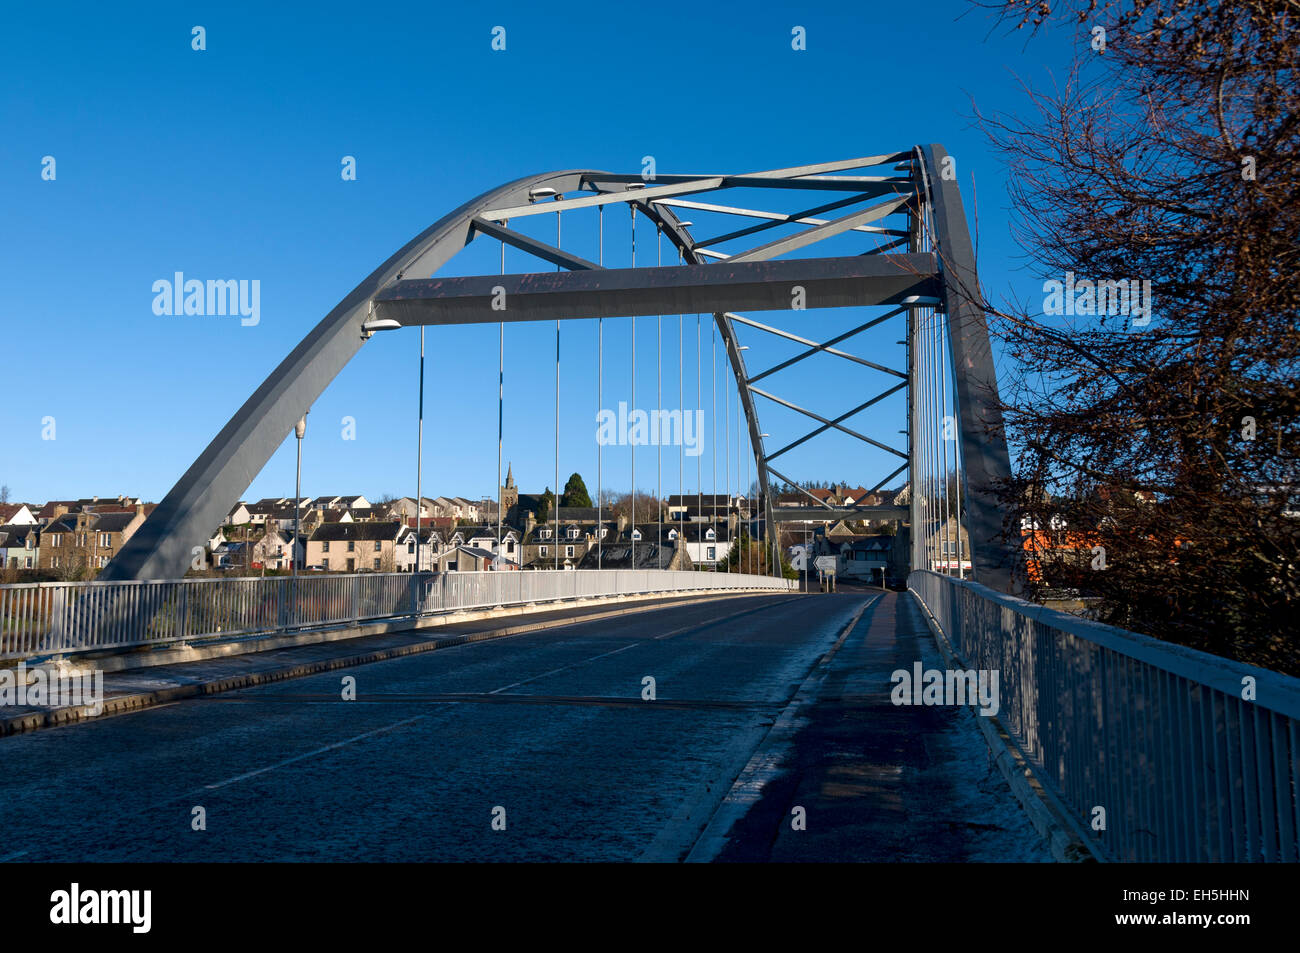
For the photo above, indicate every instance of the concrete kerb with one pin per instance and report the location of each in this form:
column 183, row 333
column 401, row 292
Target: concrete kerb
column 1062, row 832
column 134, row 701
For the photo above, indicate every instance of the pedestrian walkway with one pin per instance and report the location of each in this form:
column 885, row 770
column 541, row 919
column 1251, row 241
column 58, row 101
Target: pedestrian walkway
column 879, row 781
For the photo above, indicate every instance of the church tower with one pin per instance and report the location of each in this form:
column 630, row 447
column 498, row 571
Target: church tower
column 509, row 492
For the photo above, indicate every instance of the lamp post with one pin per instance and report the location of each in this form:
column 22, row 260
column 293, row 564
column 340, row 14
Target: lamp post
column 299, row 429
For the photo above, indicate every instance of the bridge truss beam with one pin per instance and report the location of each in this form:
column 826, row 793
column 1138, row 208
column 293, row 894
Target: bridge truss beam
column 936, row 266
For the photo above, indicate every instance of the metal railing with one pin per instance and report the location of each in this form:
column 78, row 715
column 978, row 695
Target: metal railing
column 1192, row 757
column 55, row 618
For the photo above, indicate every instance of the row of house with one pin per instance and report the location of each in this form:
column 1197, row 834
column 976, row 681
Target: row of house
column 68, row 536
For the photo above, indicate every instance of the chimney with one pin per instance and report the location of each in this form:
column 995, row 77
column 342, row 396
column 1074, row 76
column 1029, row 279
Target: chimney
column 139, row 509
column 60, row 509
column 530, row 520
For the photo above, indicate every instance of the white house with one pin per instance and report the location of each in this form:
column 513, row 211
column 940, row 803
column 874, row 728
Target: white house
column 431, row 545
column 707, row 544
column 17, row 514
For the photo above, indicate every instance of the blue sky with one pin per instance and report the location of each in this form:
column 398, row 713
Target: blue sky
column 225, row 164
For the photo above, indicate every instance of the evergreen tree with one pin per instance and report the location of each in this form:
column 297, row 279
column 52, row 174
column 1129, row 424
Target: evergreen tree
column 575, row 493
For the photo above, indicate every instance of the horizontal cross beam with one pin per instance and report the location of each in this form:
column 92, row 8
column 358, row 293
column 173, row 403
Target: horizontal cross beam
column 820, row 514
column 680, row 289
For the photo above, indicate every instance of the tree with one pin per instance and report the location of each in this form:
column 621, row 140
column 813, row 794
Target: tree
column 544, row 503
column 4, row 493
column 575, row 493
column 1164, row 434
column 647, row 507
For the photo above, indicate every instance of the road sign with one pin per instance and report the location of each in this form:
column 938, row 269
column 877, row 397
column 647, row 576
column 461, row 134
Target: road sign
column 825, row 563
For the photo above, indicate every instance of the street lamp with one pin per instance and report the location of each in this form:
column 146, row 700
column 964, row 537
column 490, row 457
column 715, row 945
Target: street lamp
column 299, row 429
column 378, row 324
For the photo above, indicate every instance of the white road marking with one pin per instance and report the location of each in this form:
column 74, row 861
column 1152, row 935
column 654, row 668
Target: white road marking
column 312, row 754
column 564, row 668
column 677, row 631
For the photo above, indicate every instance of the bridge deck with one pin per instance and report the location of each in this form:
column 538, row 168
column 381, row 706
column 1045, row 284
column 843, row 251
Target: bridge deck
column 552, row 726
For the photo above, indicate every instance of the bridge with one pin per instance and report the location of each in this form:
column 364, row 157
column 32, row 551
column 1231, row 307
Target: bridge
column 730, row 687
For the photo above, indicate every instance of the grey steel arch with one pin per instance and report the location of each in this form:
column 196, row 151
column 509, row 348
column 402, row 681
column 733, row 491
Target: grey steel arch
column 986, row 463
column 202, row 497
column 162, row 547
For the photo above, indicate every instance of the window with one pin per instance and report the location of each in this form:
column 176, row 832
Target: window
column 636, row 534
column 378, row 545
column 376, row 565
column 55, row 562
column 410, row 546
column 568, row 550
column 29, row 563
column 81, row 539
column 710, row 535
column 56, row 540
column 544, row 534
column 510, row 546
column 542, row 550
column 106, row 540
column 325, row 563
column 573, row 533
column 712, row 553
column 352, row 546
column 325, row 547
column 672, row 534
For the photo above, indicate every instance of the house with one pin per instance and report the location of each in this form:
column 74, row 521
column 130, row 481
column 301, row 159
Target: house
column 273, row 550
column 646, row 554
column 949, row 546
column 369, row 546
column 485, row 537
column 263, row 510
column 109, row 504
column 467, row 508
column 545, row 549
column 865, row 558
column 431, row 544
column 704, row 505
column 19, row 546
column 84, row 541
column 707, row 545
column 238, row 515
column 467, row 559
column 405, row 509
column 236, row 555
column 17, row 514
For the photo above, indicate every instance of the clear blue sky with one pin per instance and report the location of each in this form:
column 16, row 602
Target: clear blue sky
column 225, row 164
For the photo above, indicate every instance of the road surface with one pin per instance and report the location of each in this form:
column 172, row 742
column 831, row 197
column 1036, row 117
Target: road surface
column 533, row 747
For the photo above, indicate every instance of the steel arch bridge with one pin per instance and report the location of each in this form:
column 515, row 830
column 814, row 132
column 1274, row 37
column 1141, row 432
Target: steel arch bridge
column 921, row 268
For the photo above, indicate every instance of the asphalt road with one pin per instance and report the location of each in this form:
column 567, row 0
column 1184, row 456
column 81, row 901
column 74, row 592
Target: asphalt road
column 550, row 727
